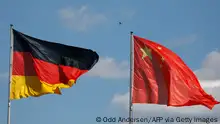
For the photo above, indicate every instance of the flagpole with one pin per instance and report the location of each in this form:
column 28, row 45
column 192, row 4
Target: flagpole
column 131, row 75
column 10, row 72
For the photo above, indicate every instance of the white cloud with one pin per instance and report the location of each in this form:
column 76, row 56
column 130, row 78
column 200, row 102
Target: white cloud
column 121, row 99
column 109, row 68
column 210, row 67
column 210, row 83
column 81, row 19
column 210, row 86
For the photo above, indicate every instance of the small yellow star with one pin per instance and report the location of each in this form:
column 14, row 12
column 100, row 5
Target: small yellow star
column 162, row 61
column 146, row 52
column 159, row 47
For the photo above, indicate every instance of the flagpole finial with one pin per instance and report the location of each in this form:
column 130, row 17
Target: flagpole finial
column 11, row 25
column 131, row 32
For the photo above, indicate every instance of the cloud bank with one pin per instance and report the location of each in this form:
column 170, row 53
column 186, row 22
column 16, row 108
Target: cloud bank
column 109, row 68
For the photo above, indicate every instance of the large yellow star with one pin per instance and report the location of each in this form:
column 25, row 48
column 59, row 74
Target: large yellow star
column 146, row 52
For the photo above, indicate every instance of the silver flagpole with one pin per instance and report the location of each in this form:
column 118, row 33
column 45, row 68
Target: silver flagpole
column 10, row 72
column 131, row 75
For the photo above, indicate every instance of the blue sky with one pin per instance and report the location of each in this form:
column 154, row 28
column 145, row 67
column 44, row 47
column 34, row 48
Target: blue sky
column 190, row 28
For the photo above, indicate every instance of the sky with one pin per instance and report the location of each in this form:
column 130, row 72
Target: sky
column 189, row 28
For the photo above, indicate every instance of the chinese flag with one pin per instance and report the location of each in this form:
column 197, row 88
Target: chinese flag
column 161, row 77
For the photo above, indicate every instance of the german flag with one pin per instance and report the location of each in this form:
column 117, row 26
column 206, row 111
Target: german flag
column 43, row 67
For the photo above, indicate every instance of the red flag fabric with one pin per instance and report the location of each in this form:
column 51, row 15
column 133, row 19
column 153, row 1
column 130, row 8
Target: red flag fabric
column 161, row 77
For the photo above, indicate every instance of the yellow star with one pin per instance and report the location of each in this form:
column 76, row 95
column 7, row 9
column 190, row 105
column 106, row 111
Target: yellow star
column 159, row 48
column 162, row 61
column 146, row 52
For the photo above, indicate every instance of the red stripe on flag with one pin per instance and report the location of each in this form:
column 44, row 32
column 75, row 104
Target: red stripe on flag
column 25, row 65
